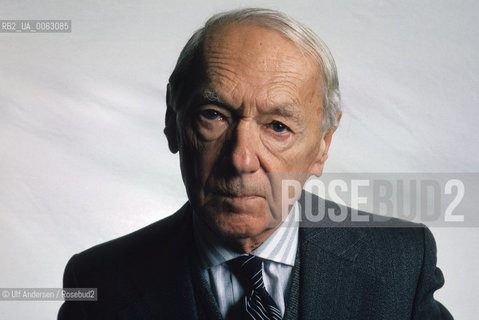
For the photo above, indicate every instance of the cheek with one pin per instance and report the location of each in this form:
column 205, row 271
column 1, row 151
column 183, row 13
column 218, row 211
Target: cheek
column 292, row 154
column 284, row 188
column 274, row 143
column 200, row 156
column 295, row 160
column 308, row 152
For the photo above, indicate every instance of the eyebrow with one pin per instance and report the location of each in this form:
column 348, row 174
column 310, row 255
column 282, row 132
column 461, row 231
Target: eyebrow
column 211, row 96
column 284, row 111
column 288, row 112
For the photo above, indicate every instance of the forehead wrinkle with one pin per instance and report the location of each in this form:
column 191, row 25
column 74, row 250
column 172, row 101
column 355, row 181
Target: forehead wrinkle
column 220, row 61
column 223, row 57
column 221, row 72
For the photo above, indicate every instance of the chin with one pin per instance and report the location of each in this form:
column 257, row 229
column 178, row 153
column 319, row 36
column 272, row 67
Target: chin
column 238, row 218
column 241, row 225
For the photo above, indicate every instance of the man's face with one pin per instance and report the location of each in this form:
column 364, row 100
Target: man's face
column 256, row 116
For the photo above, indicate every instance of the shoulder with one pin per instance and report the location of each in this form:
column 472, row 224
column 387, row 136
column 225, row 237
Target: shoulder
column 390, row 261
column 127, row 269
column 376, row 243
column 145, row 246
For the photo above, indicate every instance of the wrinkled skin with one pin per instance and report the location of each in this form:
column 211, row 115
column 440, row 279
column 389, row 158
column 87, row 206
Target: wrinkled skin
column 256, row 117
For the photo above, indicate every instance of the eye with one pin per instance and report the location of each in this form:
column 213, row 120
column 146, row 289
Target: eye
column 278, row 126
column 211, row 114
column 210, row 123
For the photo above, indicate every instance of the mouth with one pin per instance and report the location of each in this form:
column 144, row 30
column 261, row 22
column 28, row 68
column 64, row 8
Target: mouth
column 239, row 196
column 236, row 202
column 243, row 198
column 240, row 203
column 238, row 199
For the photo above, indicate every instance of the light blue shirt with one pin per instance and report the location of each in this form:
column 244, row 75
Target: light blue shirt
column 278, row 252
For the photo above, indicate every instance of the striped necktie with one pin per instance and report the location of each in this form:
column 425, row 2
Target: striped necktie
column 257, row 304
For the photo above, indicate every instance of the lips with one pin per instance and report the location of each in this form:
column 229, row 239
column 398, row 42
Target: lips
column 239, row 195
column 238, row 204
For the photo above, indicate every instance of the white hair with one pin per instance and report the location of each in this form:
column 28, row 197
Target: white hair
column 191, row 58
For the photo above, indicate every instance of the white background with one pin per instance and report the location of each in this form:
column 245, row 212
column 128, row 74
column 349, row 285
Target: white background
column 82, row 155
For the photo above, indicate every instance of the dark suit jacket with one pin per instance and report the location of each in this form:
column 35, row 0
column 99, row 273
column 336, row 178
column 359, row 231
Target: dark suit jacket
column 345, row 272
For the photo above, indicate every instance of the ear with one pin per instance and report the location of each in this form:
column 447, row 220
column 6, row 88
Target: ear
column 170, row 122
column 322, row 156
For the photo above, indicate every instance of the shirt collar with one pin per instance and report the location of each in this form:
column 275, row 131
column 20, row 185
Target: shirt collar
column 279, row 247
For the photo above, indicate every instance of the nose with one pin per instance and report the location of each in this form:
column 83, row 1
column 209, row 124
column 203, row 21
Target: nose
column 245, row 149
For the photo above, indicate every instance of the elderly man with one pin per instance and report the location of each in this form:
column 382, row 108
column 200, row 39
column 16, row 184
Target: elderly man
column 254, row 100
